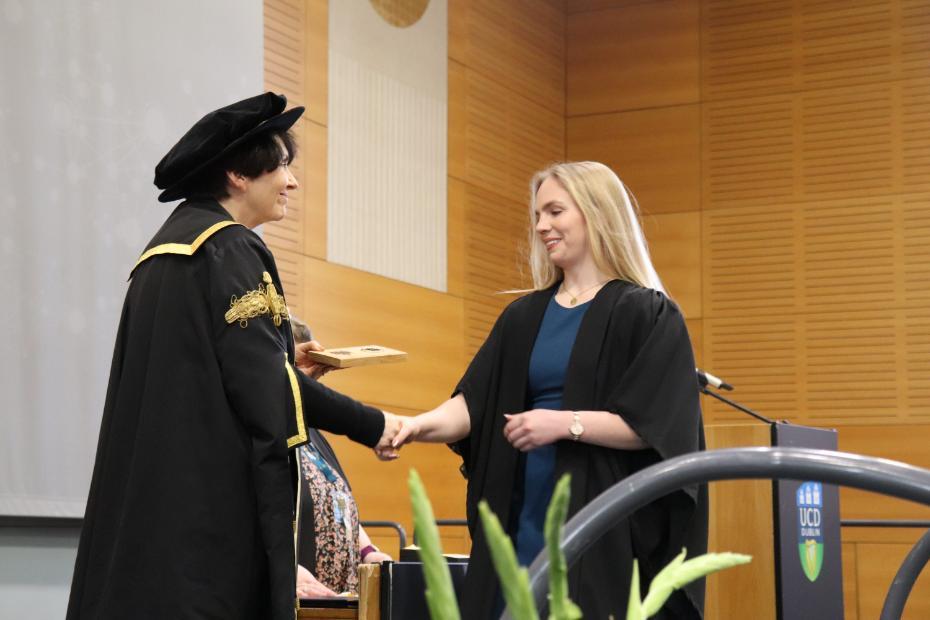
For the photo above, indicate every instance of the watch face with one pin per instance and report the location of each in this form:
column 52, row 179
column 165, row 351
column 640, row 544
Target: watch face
column 576, row 429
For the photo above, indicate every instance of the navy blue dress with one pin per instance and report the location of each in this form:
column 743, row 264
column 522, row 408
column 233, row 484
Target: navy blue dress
column 548, row 363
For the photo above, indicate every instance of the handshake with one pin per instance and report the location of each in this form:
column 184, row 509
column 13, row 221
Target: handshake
column 398, row 430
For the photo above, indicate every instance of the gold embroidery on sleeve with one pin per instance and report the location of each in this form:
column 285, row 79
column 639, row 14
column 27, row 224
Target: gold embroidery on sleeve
column 301, row 436
column 265, row 300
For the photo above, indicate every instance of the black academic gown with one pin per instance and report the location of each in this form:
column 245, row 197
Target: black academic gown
column 191, row 507
column 632, row 356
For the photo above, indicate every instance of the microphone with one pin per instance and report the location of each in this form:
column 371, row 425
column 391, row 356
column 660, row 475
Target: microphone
column 705, row 379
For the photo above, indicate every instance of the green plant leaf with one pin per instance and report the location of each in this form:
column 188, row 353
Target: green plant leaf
column 679, row 573
column 560, row 605
column 634, row 608
column 440, row 595
column 515, row 581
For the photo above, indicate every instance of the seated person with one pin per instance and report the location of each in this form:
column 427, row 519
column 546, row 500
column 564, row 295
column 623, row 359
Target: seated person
column 331, row 542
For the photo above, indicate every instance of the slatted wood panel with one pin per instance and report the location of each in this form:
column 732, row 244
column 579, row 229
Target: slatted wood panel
column 675, row 246
column 495, row 249
column 506, row 121
column 760, row 47
column 657, row 153
column 815, row 195
column 285, row 44
column 519, row 44
column 614, row 52
column 508, row 137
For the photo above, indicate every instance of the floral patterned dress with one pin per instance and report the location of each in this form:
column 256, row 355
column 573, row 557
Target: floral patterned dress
column 335, row 523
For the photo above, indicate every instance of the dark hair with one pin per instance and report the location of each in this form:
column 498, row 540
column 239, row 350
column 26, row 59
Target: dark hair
column 300, row 330
column 251, row 159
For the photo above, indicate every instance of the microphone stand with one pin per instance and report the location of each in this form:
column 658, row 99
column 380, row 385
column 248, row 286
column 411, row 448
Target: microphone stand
column 736, row 405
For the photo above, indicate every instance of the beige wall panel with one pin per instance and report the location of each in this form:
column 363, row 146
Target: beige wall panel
column 317, row 61
column 657, row 153
column 675, row 245
column 876, row 565
column 643, row 56
column 519, row 44
column 314, row 190
column 346, row 307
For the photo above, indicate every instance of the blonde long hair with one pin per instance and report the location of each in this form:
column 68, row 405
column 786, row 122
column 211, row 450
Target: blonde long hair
column 611, row 215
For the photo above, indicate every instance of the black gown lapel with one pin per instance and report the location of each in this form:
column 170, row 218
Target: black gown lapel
column 579, row 387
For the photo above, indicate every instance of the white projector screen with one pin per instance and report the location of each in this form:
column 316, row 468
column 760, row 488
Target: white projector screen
column 92, row 95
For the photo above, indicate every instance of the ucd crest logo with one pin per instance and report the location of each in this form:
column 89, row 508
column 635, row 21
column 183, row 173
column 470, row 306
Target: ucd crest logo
column 810, row 535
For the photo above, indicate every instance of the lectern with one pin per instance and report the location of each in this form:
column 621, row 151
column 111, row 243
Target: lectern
column 790, row 527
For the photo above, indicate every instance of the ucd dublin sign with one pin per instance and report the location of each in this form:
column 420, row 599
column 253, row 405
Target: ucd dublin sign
column 808, row 572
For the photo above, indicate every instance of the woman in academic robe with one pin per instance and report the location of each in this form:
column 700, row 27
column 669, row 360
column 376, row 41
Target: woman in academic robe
column 592, row 374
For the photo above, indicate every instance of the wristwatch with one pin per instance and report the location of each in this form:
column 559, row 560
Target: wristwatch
column 576, row 429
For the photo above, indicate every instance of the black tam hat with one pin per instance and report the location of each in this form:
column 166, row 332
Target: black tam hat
column 215, row 135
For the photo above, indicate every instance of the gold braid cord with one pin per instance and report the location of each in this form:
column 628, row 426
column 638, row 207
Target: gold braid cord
column 265, row 300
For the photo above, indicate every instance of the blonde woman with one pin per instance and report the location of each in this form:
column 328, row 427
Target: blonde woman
column 592, row 374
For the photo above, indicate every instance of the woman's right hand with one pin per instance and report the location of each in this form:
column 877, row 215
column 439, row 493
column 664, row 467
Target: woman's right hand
column 409, row 431
column 309, row 587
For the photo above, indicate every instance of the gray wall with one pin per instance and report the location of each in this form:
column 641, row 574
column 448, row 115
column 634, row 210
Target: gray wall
column 35, row 571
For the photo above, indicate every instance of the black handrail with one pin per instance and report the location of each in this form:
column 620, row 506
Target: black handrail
column 394, row 525
column 904, row 580
column 631, row 493
column 885, row 523
column 442, row 523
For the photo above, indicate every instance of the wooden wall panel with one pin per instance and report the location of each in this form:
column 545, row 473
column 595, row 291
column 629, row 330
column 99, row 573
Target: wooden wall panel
column 506, row 121
column 655, row 151
column 519, row 44
column 675, row 246
column 613, row 53
column 316, row 61
column 814, row 200
column 314, row 189
column 876, row 565
column 778, row 46
column 850, row 586
column 508, row 137
column 285, row 47
column 347, row 307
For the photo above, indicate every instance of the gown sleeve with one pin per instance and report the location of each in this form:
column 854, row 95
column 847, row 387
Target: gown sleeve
column 477, row 386
column 260, row 387
column 658, row 394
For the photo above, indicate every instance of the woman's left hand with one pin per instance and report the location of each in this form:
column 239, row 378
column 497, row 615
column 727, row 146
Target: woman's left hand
column 302, row 361
column 376, row 557
column 537, row 427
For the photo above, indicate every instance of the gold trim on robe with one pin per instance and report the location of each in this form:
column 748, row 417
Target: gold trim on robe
column 301, row 436
column 182, row 248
